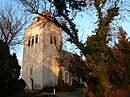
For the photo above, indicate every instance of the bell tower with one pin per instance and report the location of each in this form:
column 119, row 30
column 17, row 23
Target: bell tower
column 42, row 40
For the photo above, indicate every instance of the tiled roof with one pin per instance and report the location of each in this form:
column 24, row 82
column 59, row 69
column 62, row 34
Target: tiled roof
column 67, row 57
column 43, row 16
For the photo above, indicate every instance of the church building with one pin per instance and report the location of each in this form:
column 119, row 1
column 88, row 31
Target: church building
column 42, row 39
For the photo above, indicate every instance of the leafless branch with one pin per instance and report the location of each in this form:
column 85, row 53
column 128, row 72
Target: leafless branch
column 11, row 25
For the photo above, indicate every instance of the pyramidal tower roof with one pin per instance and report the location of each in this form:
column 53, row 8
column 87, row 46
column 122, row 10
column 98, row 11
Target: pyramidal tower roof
column 45, row 14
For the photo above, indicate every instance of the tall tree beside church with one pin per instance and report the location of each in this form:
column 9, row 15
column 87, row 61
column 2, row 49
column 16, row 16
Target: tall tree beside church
column 98, row 60
column 9, row 70
column 120, row 61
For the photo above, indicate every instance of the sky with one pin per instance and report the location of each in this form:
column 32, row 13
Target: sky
column 85, row 24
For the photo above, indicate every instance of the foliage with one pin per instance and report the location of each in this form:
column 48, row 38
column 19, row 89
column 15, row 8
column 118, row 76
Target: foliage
column 9, row 70
column 66, row 88
column 49, row 89
column 77, row 84
column 21, row 84
column 103, row 60
column 120, row 61
column 98, row 60
column 76, row 66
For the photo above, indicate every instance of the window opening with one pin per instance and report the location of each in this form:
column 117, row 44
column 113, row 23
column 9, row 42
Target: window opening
column 36, row 39
column 51, row 41
column 32, row 40
column 31, row 70
column 55, row 40
column 32, row 83
column 29, row 42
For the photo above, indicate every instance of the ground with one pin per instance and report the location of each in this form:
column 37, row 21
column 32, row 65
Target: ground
column 71, row 94
column 78, row 93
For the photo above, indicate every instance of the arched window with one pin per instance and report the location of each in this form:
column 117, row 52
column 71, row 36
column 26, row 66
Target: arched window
column 35, row 20
column 32, row 40
column 32, row 83
column 36, row 39
column 29, row 41
column 51, row 41
column 55, row 40
column 31, row 71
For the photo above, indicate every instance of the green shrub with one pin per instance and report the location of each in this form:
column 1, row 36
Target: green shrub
column 77, row 84
column 66, row 88
column 49, row 89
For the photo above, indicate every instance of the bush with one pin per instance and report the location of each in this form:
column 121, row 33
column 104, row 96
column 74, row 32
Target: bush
column 9, row 71
column 66, row 88
column 21, row 84
column 77, row 84
column 49, row 89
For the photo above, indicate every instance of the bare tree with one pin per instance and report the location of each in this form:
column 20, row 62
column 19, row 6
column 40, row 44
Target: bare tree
column 12, row 22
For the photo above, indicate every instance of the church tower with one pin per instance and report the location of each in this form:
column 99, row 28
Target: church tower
column 42, row 40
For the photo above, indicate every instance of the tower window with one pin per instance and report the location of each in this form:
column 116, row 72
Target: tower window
column 32, row 40
column 31, row 71
column 35, row 20
column 51, row 41
column 29, row 42
column 36, row 39
column 55, row 40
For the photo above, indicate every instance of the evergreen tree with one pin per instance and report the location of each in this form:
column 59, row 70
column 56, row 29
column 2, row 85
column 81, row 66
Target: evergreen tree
column 9, row 70
column 120, row 61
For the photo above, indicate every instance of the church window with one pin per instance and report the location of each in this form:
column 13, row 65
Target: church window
column 31, row 70
column 36, row 39
column 51, row 41
column 29, row 42
column 32, row 40
column 35, row 20
column 32, row 83
column 55, row 40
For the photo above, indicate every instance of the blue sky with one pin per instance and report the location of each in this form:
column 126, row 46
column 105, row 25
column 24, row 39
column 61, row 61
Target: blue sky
column 85, row 25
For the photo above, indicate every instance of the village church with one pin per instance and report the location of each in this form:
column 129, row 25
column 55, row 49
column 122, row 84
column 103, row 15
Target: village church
column 42, row 39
